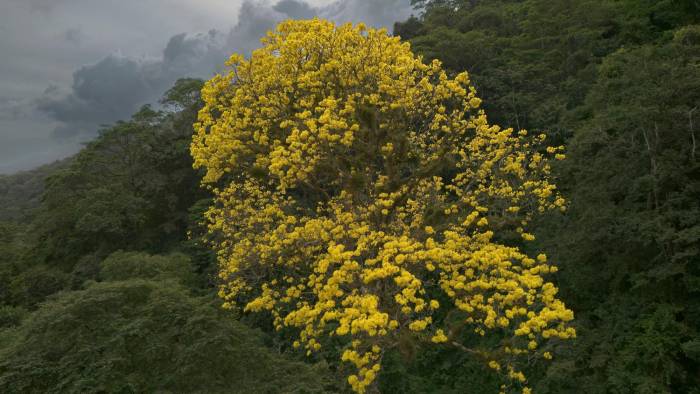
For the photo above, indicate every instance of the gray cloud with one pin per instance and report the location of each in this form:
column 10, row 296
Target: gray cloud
column 73, row 35
column 117, row 85
column 14, row 108
column 376, row 13
column 254, row 20
column 101, row 93
column 295, row 9
column 194, row 54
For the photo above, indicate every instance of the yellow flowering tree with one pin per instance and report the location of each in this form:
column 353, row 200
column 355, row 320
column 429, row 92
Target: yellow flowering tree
column 359, row 192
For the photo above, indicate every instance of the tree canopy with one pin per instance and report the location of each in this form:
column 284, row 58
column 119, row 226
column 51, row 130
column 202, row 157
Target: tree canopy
column 143, row 335
column 358, row 196
column 358, row 189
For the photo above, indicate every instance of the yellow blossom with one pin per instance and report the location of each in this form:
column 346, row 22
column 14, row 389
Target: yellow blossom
column 326, row 152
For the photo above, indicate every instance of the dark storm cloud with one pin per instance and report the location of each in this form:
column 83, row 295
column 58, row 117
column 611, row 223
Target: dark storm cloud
column 103, row 91
column 295, row 9
column 254, row 20
column 116, row 86
column 195, row 55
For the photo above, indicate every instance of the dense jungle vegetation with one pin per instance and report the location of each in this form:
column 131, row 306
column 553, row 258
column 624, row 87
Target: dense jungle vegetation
column 107, row 286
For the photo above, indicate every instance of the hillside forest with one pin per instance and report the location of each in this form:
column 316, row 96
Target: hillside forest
column 113, row 263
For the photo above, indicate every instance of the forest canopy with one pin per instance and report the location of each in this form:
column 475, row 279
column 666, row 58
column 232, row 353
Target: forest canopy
column 111, row 261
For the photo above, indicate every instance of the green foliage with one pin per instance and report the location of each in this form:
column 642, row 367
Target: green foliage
column 618, row 82
column 422, row 369
column 534, row 61
column 129, row 189
column 11, row 250
column 633, row 231
column 184, row 96
column 33, row 285
column 86, row 307
column 134, row 265
column 20, row 193
column 11, row 316
column 144, row 336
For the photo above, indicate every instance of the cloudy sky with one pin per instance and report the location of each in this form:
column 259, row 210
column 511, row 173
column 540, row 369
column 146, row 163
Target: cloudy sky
column 69, row 66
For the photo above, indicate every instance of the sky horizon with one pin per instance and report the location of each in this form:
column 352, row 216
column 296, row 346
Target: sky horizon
column 71, row 66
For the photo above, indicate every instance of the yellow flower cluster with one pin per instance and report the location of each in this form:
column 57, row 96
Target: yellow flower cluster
column 355, row 184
